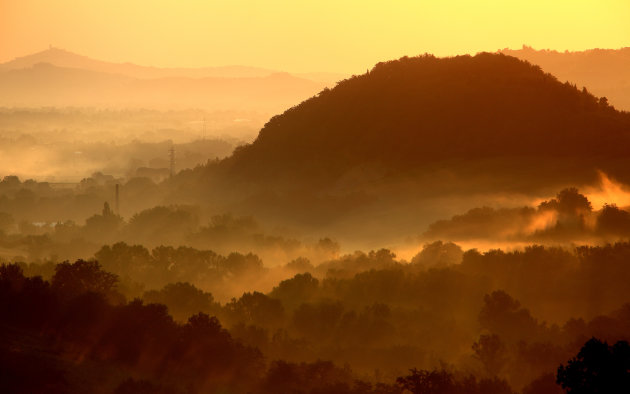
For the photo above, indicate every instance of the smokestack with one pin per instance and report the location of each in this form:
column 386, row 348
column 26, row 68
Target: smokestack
column 117, row 200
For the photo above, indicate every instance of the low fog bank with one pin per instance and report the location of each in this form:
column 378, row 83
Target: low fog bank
column 372, row 204
column 46, row 224
column 45, row 84
column 569, row 218
column 528, row 280
column 69, row 144
column 152, row 209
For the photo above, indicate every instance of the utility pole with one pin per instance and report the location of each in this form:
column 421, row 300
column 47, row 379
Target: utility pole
column 117, row 200
column 171, row 153
column 204, row 128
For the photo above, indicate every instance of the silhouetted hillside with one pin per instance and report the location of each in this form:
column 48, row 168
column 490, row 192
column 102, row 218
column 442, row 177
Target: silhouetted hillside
column 411, row 112
column 606, row 72
column 391, row 145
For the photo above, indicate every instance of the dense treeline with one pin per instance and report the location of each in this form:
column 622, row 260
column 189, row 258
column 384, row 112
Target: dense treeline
column 47, row 204
column 504, row 320
column 71, row 317
column 66, row 335
column 30, row 226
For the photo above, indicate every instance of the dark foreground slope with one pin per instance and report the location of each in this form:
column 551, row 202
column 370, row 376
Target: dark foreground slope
column 488, row 123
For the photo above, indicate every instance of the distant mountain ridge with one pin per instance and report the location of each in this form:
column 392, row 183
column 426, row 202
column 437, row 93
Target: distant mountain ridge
column 605, row 72
column 56, row 77
column 44, row 84
column 66, row 59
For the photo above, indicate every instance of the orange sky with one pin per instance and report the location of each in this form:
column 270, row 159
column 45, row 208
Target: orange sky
column 345, row 36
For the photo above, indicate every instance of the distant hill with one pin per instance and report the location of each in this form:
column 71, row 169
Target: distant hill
column 605, row 72
column 408, row 113
column 44, row 84
column 415, row 130
column 66, row 59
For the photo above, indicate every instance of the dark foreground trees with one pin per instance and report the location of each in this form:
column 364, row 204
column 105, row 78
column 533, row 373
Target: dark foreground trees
column 597, row 369
column 72, row 336
column 77, row 332
column 64, row 334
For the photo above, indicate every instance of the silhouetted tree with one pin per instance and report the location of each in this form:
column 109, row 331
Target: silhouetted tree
column 182, row 299
column 427, row 382
column 81, row 277
column 444, row 382
column 503, row 315
column 613, row 221
column 301, row 288
column 597, row 369
column 256, row 308
column 300, row 265
column 438, row 254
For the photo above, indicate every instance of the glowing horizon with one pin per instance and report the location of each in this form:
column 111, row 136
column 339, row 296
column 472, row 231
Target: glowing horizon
column 303, row 37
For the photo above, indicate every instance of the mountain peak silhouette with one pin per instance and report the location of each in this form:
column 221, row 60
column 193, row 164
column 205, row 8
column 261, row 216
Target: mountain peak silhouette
column 52, row 55
column 406, row 113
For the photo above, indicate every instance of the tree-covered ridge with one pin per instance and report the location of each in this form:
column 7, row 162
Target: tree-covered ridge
column 416, row 110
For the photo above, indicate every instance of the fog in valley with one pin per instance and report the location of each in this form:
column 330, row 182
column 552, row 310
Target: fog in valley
column 433, row 224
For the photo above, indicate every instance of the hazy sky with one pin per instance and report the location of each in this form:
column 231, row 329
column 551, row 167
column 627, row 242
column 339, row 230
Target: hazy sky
column 322, row 35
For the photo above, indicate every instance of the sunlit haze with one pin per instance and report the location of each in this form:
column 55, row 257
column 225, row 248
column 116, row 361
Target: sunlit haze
column 303, row 36
column 308, row 197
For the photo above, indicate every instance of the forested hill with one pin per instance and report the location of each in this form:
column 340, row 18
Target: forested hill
column 415, row 132
column 606, row 72
column 412, row 111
